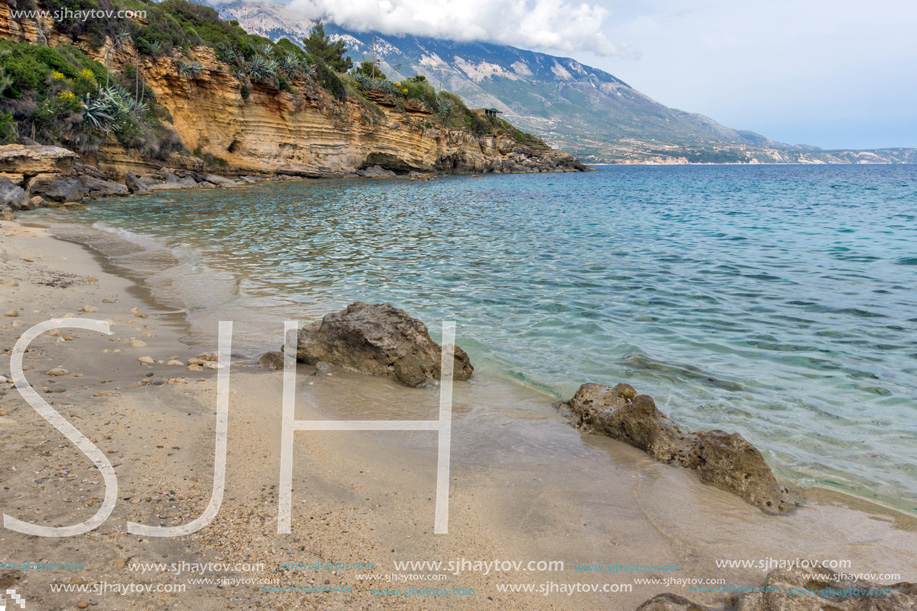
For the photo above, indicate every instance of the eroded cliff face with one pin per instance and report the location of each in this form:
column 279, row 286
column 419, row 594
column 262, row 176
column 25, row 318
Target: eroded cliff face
column 305, row 133
column 309, row 133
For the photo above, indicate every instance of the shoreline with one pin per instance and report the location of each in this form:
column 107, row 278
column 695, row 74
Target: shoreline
column 526, row 385
column 631, row 509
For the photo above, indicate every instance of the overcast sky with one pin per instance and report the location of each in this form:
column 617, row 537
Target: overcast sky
column 836, row 74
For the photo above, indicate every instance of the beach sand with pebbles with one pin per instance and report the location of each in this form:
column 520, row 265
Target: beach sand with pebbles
column 525, row 486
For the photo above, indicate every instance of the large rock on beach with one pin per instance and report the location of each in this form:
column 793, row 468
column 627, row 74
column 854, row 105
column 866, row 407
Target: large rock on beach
column 812, row 589
column 381, row 340
column 56, row 188
column 721, row 459
column 13, row 196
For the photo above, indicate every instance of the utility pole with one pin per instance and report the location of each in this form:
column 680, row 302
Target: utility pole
column 374, row 56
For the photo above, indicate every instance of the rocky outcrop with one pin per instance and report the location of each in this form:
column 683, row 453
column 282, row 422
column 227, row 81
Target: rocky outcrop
column 31, row 160
column 57, row 188
column 721, row 459
column 381, row 340
column 13, row 196
column 801, row 590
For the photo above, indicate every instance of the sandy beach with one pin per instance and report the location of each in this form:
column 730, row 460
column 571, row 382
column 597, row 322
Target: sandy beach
column 526, row 490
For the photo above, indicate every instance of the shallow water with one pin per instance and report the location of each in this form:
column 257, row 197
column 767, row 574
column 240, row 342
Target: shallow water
column 779, row 302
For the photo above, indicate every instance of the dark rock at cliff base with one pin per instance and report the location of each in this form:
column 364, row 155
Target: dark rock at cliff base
column 56, row 188
column 722, row 459
column 376, row 171
column 13, row 196
column 812, row 589
column 378, row 339
column 271, row 360
column 102, row 187
column 134, row 185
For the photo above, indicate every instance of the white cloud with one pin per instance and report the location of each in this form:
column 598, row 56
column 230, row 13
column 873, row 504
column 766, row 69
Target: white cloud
column 539, row 24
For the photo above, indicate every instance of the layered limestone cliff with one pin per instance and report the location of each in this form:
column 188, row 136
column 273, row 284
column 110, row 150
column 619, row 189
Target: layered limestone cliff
column 306, row 133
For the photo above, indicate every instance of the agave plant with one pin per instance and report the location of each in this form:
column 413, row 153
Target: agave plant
column 228, row 53
column 266, row 49
column 443, row 106
column 97, row 113
column 156, row 48
column 290, row 65
column 262, row 68
column 190, row 69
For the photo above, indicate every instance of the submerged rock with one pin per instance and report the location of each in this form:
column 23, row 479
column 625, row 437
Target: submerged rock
column 814, row 589
column 378, row 339
column 722, row 459
column 271, row 360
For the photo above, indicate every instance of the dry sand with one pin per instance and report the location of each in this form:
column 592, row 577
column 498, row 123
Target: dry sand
column 525, row 486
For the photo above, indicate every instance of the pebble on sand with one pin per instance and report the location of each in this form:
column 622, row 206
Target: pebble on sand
column 12, row 314
column 89, row 309
column 58, row 371
column 147, row 360
column 136, row 343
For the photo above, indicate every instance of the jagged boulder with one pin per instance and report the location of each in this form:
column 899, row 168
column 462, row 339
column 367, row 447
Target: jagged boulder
column 102, row 187
column 133, row 183
column 13, row 196
column 56, row 188
column 378, row 339
column 722, row 459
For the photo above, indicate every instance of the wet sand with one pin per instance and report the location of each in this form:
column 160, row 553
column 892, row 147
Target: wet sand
column 525, row 486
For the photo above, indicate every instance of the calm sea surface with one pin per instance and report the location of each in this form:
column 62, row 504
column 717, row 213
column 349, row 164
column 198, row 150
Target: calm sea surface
column 779, row 302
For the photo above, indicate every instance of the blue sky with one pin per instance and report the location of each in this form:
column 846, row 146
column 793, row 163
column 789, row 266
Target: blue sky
column 835, row 74
column 838, row 74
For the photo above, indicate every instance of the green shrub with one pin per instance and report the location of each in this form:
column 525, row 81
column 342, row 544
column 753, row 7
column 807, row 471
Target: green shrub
column 321, row 48
column 330, row 81
column 245, row 92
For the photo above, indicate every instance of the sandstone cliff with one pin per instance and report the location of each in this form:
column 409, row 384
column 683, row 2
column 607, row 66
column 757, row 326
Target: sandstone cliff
column 306, row 133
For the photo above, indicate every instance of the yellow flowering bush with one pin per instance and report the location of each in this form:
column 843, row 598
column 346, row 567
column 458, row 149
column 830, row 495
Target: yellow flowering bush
column 58, row 76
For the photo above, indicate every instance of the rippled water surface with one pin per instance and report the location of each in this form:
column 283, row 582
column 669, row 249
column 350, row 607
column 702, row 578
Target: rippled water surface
column 779, row 302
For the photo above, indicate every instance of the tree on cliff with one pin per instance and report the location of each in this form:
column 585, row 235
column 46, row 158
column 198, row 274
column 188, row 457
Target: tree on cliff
column 320, row 47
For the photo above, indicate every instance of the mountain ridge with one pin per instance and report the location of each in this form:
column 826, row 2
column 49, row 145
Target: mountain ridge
column 572, row 106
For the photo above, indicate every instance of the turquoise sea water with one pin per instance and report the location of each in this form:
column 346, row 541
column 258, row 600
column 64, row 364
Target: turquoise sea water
column 779, row 302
